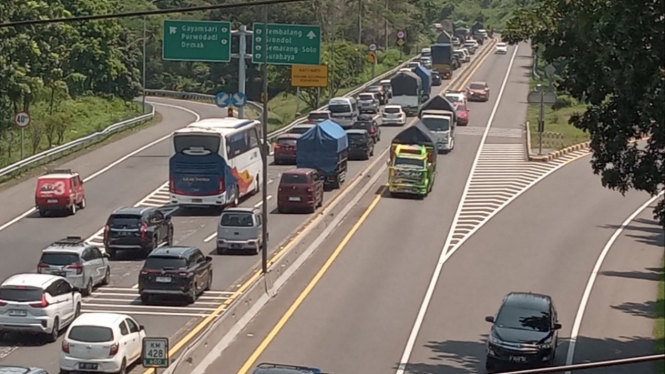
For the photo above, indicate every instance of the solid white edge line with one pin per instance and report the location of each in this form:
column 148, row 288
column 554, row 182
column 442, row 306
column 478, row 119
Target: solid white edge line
column 113, row 164
column 594, row 274
column 444, row 256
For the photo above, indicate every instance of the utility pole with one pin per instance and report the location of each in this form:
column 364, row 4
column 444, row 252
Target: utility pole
column 242, row 33
column 264, row 154
column 360, row 21
column 144, row 60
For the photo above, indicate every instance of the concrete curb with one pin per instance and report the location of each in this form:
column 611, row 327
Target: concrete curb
column 552, row 155
column 243, row 307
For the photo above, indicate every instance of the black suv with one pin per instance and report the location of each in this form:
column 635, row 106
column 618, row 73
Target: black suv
column 175, row 271
column 141, row 229
column 266, row 368
column 367, row 122
column 436, row 79
column 524, row 332
column 361, row 145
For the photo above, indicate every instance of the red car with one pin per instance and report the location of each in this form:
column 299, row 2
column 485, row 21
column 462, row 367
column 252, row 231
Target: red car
column 462, row 113
column 478, row 91
column 59, row 190
column 285, row 149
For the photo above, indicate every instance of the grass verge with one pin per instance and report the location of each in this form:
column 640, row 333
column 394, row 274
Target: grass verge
column 558, row 133
column 659, row 326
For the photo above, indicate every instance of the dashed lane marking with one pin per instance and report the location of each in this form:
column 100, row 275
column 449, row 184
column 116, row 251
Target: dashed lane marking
column 495, row 132
column 501, row 173
column 128, row 301
column 158, row 198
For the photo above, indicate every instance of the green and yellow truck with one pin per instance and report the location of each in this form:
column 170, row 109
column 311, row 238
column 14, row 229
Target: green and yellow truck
column 412, row 164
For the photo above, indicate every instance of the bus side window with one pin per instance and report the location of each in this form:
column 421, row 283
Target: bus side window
column 253, row 139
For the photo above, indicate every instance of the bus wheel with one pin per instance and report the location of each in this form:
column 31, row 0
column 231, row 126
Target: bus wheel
column 236, row 197
column 258, row 185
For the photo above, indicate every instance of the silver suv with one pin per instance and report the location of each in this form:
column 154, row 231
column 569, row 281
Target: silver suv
column 11, row 369
column 83, row 264
column 368, row 102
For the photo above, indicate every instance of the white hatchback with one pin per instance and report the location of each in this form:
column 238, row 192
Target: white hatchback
column 38, row 303
column 501, row 48
column 393, row 115
column 101, row 343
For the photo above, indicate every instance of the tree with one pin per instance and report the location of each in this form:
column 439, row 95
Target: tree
column 613, row 52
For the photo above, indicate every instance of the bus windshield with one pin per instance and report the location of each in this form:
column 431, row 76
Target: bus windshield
column 196, row 144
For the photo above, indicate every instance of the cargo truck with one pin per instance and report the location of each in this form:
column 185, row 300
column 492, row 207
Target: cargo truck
column 412, row 164
column 426, row 79
column 442, row 56
column 407, row 92
column 324, row 147
column 439, row 116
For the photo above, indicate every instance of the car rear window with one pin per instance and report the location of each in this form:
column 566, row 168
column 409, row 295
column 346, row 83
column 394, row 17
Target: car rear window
column 237, row 220
column 294, row 179
column 318, row 116
column 375, row 89
column 287, row 141
column 21, row 294
column 91, row 334
column 392, row 110
column 125, row 221
column 357, row 139
column 299, row 130
column 59, row 259
column 157, row 262
column 366, row 97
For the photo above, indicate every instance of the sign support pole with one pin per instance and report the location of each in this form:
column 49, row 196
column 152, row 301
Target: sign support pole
column 22, row 141
column 374, row 68
column 541, row 121
column 144, row 61
column 264, row 154
column 297, row 100
column 242, row 74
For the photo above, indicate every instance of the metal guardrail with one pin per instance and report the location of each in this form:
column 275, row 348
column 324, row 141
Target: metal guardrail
column 194, row 96
column 77, row 144
column 211, row 98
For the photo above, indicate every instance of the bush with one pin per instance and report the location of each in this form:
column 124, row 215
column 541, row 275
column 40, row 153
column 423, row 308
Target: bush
column 564, row 101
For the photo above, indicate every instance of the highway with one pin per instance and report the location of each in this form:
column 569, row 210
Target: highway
column 137, row 173
column 405, row 285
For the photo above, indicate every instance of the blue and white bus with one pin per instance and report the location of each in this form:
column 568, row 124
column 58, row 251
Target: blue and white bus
column 215, row 162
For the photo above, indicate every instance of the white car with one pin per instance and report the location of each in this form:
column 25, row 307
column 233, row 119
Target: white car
column 38, row 303
column 465, row 53
column 101, row 343
column 393, row 115
column 455, row 97
column 501, row 48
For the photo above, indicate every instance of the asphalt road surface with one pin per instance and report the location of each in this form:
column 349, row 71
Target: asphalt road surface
column 130, row 181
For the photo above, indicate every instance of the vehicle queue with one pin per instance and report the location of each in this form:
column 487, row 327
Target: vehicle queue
column 50, row 301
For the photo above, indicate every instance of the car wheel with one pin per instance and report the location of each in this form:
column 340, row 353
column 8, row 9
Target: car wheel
column 209, row 283
column 191, row 297
column 220, row 250
column 55, row 331
column 72, row 209
column 42, row 212
column 77, row 313
column 169, row 237
column 88, row 288
column 111, row 252
column 145, row 298
column 236, row 197
column 82, row 205
column 123, row 367
column 63, row 371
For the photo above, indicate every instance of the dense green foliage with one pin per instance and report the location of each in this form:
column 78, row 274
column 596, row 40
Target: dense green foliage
column 610, row 56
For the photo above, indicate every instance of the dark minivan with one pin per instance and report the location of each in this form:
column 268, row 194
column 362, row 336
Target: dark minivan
column 370, row 124
column 524, row 333
column 175, row 271
column 285, row 149
column 140, row 228
column 361, row 144
column 300, row 189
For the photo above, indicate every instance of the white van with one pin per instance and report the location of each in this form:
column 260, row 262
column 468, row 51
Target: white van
column 344, row 111
column 426, row 52
column 441, row 123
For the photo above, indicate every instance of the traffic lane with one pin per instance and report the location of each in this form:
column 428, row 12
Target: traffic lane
column 202, row 109
column 359, row 314
column 546, row 241
column 34, row 352
column 19, row 198
column 517, row 88
column 619, row 318
column 122, row 185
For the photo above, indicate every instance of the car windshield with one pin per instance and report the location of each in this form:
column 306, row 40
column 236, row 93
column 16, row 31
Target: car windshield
column 392, row 110
column 59, row 259
column 21, row 294
column 356, row 139
column 237, row 220
column 157, row 262
column 436, row 123
column 409, row 162
column 300, row 129
column 523, row 319
column 453, row 98
column 124, row 221
column 91, row 334
column 477, row 86
column 366, row 97
column 294, row 179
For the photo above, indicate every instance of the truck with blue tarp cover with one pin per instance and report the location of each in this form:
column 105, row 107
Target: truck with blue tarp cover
column 426, row 79
column 442, row 59
column 324, row 147
column 407, row 92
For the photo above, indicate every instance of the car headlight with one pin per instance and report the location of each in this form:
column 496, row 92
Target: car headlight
column 545, row 346
column 494, row 340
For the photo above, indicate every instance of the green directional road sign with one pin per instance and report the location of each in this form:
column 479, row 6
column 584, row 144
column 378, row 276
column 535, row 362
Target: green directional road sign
column 208, row 41
column 287, row 44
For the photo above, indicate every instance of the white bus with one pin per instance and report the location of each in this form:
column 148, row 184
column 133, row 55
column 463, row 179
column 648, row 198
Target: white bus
column 215, row 162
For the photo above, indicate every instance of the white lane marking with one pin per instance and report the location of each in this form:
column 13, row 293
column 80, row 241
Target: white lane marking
column 113, row 164
column 257, row 205
column 211, row 237
column 136, row 286
column 592, row 279
column 152, row 313
column 131, row 291
column 444, row 256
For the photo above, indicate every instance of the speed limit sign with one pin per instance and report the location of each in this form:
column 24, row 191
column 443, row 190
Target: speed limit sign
column 155, row 352
column 22, row 119
column 401, row 34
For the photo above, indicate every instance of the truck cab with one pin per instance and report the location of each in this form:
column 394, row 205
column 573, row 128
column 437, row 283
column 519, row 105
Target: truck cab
column 441, row 123
column 412, row 163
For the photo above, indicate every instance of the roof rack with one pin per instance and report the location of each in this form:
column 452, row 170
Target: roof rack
column 70, row 240
column 267, row 365
column 58, row 171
